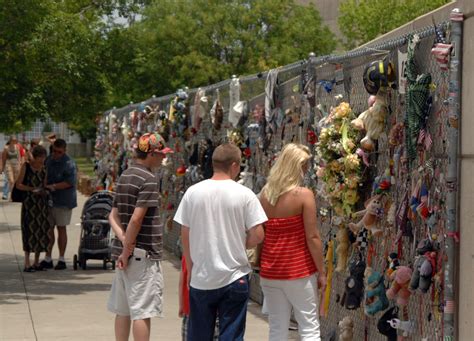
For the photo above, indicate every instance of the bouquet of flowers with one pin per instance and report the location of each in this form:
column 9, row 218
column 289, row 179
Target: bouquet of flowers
column 338, row 165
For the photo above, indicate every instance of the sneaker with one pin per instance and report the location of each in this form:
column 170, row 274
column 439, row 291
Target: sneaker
column 60, row 266
column 29, row 269
column 4, row 197
column 46, row 265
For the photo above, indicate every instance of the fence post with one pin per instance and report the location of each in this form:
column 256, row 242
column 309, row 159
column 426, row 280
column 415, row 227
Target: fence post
column 452, row 183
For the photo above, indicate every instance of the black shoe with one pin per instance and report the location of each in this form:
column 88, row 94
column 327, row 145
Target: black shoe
column 29, row 269
column 46, row 265
column 39, row 267
column 60, row 266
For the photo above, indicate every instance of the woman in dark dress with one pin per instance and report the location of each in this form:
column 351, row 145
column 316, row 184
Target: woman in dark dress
column 34, row 210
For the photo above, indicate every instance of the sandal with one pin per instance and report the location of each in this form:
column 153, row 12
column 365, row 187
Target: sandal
column 29, row 269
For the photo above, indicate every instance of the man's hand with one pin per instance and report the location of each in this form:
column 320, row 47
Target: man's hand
column 122, row 261
column 322, row 281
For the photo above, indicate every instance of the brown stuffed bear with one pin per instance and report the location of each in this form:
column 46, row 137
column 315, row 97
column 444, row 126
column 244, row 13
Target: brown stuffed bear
column 373, row 207
column 342, row 248
column 372, row 120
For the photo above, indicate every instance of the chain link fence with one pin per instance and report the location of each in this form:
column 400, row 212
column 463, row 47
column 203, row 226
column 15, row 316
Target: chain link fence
column 302, row 87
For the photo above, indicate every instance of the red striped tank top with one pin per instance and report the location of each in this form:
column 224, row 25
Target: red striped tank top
column 285, row 254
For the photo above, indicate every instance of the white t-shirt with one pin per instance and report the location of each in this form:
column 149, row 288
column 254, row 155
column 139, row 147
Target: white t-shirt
column 218, row 214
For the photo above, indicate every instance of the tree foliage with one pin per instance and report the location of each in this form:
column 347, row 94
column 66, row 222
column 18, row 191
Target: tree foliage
column 361, row 21
column 198, row 42
column 72, row 59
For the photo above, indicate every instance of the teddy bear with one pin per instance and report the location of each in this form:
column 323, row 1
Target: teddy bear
column 342, row 248
column 399, row 287
column 346, row 329
column 425, row 265
column 354, row 285
column 372, row 120
column 373, row 210
column 375, row 297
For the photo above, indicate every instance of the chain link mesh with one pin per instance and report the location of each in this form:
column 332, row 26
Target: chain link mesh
column 425, row 310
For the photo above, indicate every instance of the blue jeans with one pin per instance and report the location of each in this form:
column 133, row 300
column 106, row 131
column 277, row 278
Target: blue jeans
column 229, row 303
column 5, row 186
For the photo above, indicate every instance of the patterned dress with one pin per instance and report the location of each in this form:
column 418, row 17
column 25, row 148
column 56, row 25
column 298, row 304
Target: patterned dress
column 34, row 214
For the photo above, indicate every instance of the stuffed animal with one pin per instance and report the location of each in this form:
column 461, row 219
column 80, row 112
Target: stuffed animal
column 342, row 248
column 424, row 266
column 375, row 298
column 372, row 120
column 406, row 326
column 346, row 329
column 399, row 288
column 373, row 210
column 393, row 263
column 355, row 285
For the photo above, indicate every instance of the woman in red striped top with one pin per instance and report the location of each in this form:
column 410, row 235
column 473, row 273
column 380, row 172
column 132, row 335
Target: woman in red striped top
column 292, row 250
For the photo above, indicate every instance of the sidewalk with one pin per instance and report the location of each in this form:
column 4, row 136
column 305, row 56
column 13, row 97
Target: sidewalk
column 71, row 305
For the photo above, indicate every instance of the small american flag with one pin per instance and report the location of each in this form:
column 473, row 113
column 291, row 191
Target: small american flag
column 428, row 141
column 425, row 139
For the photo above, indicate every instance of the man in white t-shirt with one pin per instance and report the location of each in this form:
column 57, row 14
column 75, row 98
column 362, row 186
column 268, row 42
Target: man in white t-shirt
column 220, row 219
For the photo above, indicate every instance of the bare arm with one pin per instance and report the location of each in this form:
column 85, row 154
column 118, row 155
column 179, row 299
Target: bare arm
column 313, row 238
column 255, row 236
column 21, row 177
column 133, row 228
column 114, row 221
column 186, row 250
column 4, row 159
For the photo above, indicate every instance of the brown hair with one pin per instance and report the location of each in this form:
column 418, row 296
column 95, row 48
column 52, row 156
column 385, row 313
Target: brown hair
column 38, row 151
column 224, row 155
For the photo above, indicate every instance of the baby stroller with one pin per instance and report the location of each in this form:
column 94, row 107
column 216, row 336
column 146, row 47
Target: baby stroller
column 96, row 236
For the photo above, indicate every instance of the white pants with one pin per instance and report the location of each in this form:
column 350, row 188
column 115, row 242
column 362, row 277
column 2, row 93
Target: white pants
column 301, row 295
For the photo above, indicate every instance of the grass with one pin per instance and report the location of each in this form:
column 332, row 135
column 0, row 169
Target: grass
column 85, row 166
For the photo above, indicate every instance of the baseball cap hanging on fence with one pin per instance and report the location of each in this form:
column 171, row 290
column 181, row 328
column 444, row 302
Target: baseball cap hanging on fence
column 153, row 142
column 377, row 74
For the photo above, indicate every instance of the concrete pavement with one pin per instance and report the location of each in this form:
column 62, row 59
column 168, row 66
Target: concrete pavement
column 71, row 305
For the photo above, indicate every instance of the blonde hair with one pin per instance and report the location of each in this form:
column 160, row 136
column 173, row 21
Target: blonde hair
column 287, row 172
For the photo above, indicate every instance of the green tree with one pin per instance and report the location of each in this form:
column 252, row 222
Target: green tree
column 51, row 57
column 361, row 21
column 200, row 42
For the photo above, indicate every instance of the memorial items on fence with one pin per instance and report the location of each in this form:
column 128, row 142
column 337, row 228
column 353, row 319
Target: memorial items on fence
column 402, row 185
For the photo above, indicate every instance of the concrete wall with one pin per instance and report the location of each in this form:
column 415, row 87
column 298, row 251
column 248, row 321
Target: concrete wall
column 465, row 297
column 329, row 10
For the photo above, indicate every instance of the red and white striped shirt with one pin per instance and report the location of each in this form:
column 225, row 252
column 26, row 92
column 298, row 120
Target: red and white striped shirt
column 285, row 254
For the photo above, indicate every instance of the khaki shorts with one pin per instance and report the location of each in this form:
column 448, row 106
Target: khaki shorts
column 138, row 290
column 60, row 216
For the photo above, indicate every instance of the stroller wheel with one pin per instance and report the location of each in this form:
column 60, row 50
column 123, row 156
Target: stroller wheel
column 104, row 264
column 83, row 264
column 74, row 262
column 113, row 265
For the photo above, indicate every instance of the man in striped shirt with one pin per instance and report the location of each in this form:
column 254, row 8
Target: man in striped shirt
column 136, row 293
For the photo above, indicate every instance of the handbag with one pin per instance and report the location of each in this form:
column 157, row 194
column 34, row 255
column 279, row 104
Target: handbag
column 17, row 194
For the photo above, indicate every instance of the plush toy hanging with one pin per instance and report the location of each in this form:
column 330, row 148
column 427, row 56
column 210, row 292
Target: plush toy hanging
column 346, row 329
column 342, row 248
column 375, row 297
column 370, row 216
column 399, row 287
column 372, row 121
column 425, row 265
column 355, row 285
